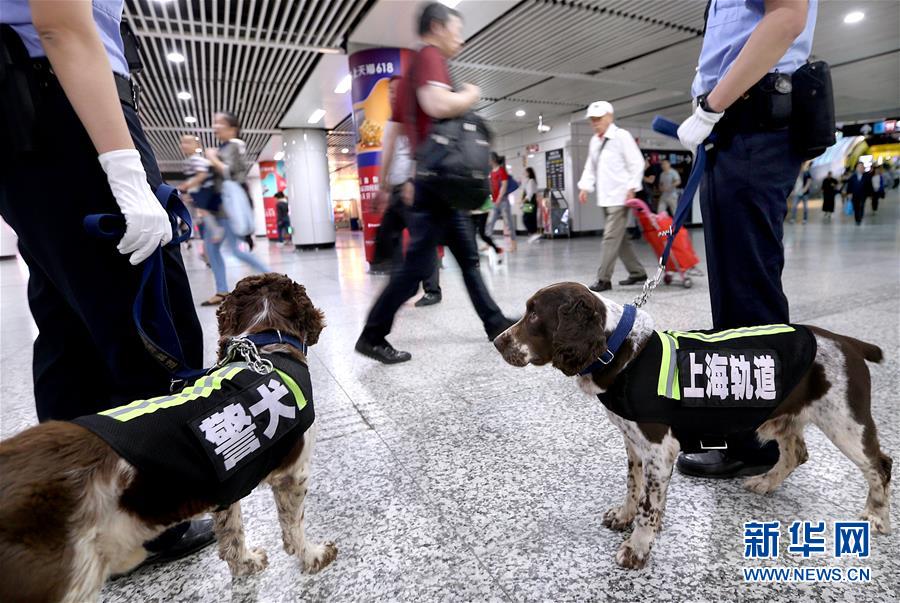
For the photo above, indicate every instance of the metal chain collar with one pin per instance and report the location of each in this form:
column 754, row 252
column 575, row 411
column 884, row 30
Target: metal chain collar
column 247, row 350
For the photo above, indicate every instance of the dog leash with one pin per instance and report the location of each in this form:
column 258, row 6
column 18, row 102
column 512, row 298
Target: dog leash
column 670, row 128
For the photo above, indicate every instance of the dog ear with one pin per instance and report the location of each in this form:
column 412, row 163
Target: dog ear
column 579, row 338
column 310, row 318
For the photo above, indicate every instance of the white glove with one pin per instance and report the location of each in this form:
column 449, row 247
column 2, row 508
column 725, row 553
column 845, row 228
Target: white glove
column 697, row 128
column 146, row 222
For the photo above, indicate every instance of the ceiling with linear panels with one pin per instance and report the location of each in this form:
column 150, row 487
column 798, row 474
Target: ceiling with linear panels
column 245, row 56
column 550, row 57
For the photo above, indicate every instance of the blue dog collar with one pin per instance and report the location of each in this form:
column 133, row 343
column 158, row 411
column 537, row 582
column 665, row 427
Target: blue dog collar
column 629, row 312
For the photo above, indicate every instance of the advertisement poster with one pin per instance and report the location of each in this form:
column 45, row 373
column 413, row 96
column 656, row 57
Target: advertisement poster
column 556, row 169
column 271, row 176
column 371, row 71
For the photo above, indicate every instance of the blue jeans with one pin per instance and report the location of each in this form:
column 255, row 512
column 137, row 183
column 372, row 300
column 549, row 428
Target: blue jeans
column 798, row 199
column 743, row 197
column 217, row 262
column 502, row 207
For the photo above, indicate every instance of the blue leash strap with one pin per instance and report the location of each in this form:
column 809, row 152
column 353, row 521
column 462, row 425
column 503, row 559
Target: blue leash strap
column 670, row 128
column 151, row 312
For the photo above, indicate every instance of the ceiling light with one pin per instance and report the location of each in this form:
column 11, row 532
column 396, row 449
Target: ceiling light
column 450, row 3
column 184, row 95
column 316, row 116
column 345, row 150
column 175, row 57
column 190, row 119
column 520, row 113
column 854, row 17
column 343, row 86
column 278, row 156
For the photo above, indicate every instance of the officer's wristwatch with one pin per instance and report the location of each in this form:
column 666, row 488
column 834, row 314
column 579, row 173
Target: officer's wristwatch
column 703, row 104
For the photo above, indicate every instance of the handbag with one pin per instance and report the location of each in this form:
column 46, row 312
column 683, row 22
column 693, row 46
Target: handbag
column 237, row 207
column 528, row 204
column 848, row 207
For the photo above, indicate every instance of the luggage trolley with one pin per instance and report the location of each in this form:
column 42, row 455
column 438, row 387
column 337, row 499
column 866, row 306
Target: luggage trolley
column 555, row 214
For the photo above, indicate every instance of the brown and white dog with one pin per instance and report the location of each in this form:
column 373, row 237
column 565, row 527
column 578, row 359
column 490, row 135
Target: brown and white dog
column 567, row 325
column 68, row 518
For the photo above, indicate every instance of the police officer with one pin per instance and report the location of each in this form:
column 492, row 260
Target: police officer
column 72, row 146
column 750, row 48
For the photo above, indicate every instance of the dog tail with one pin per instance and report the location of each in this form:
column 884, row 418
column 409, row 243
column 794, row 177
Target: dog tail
column 870, row 352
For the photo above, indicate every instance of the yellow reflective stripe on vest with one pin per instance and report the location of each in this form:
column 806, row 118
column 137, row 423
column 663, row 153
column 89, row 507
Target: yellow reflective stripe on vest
column 734, row 333
column 668, row 385
column 202, row 388
column 294, row 389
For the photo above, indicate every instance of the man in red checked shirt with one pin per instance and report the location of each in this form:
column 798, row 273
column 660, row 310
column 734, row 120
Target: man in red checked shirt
column 430, row 95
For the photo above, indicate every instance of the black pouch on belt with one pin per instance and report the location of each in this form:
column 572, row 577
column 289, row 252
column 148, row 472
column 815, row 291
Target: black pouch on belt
column 771, row 100
column 812, row 124
column 16, row 94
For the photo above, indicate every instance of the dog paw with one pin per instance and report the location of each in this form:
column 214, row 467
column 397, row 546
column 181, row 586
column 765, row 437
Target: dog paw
column 882, row 525
column 254, row 562
column 318, row 556
column 613, row 520
column 759, row 484
column 629, row 558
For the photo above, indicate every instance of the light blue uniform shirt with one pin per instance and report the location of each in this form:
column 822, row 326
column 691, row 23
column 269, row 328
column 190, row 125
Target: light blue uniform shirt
column 728, row 26
column 107, row 16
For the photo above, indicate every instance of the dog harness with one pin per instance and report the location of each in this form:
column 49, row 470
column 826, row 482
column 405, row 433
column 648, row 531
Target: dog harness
column 220, row 436
column 707, row 385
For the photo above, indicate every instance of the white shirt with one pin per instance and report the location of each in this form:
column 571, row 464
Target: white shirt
column 614, row 172
column 530, row 187
column 402, row 168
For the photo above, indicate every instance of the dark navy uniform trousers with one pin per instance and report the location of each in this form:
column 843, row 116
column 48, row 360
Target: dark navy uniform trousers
column 743, row 197
column 87, row 356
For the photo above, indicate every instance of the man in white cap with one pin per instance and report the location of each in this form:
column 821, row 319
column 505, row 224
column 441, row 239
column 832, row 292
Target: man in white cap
column 614, row 168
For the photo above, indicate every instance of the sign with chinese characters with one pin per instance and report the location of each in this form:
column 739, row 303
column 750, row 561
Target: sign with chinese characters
column 271, row 175
column 850, row 539
column 532, row 148
column 729, row 378
column 242, row 427
column 371, row 71
column 556, row 169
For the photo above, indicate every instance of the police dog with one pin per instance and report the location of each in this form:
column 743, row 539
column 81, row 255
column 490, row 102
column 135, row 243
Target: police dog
column 73, row 511
column 567, row 325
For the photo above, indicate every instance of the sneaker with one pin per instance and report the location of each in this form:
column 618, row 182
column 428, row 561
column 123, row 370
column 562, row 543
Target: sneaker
column 495, row 332
column 535, row 237
column 633, row 280
column 429, row 299
column 599, row 286
column 383, row 352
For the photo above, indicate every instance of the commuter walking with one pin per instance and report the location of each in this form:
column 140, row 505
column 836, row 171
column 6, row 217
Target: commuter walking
column 801, row 193
column 877, row 187
column 669, row 181
column 614, row 169
column 479, row 222
column 283, row 218
column 229, row 162
column 430, row 94
column 749, row 53
column 859, row 188
column 830, row 187
column 500, row 191
column 396, row 180
column 76, row 145
column 530, row 207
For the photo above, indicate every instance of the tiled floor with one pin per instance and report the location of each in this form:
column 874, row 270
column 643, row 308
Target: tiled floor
column 458, row 477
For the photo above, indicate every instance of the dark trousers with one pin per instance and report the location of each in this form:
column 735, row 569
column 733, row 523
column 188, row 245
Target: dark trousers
column 876, row 196
column 479, row 221
column 389, row 241
column 743, row 197
column 431, row 222
column 284, row 230
column 87, row 356
column 859, row 207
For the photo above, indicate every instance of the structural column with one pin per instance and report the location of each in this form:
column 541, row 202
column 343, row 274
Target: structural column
column 309, row 187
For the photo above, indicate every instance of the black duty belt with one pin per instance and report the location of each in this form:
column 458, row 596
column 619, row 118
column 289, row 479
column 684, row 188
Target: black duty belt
column 765, row 107
column 127, row 89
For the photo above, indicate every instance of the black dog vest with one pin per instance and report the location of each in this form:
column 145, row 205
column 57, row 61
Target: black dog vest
column 707, row 385
column 220, row 436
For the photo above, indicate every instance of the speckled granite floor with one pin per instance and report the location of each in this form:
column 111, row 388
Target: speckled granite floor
column 457, row 478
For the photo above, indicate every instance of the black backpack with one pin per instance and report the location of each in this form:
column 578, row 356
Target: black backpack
column 455, row 155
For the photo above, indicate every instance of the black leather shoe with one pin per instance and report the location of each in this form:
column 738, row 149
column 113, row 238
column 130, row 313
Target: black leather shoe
column 720, row 465
column 495, row 332
column 599, row 286
column 631, row 280
column 429, row 299
column 170, row 546
column 383, row 352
